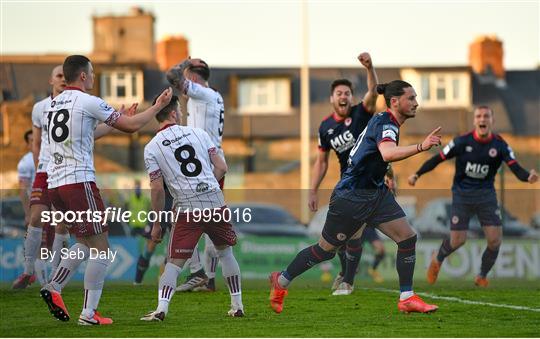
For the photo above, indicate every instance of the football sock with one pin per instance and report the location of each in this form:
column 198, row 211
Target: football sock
column 142, row 266
column 41, row 271
column 231, row 273
column 94, row 278
column 68, row 266
column 406, row 295
column 405, row 260
column 488, row 259
column 445, row 250
column 143, row 263
column 305, row 259
column 57, row 246
column 195, row 261
column 167, row 286
column 211, row 258
column 353, row 255
column 147, row 254
column 342, row 260
column 32, row 243
column 378, row 258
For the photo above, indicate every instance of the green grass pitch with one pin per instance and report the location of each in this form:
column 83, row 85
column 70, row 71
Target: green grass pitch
column 310, row 311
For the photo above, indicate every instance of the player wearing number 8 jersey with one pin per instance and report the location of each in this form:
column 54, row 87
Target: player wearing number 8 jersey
column 205, row 110
column 186, row 160
column 73, row 115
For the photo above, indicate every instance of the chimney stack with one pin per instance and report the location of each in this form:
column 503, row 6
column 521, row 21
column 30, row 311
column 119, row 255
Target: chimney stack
column 171, row 50
column 486, row 56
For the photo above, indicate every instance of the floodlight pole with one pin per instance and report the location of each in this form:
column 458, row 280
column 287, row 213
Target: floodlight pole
column 304, row 116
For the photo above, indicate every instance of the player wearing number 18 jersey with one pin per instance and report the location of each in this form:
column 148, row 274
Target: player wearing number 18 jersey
column 72, row 117
column 187, row 161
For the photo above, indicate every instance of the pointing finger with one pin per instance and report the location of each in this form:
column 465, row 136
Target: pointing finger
column 436, row 130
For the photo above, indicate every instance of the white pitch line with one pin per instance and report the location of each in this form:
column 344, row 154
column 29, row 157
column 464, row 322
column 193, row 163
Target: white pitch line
column 463, row 301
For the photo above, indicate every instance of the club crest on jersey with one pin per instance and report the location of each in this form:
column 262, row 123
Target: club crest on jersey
column 58, row 158
column 53, row 103
column 202, row 187
column 166, row 143
column 492, row 152
column 104, row 106
column 330, row 131
column 348, row 121
column 468, row 149
column 389, row 134
column 341, row 236
column 455, row 219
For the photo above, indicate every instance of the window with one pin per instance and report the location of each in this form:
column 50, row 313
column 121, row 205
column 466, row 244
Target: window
column 264, row 95
column 455, row 88
column 425, row 88
column 440, row 89
column 121, row 86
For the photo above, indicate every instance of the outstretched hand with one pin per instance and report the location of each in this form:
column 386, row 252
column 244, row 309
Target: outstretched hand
column 130, row 111
column 196, row 63
column 533, row 176
column 432, row 139
column 164, row 98
column 313, row 202
column 412, row 179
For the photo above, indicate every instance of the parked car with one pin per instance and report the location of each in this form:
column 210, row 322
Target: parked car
column 265, row 220
column 12, row 218
column 535, row 221
column 434, row 221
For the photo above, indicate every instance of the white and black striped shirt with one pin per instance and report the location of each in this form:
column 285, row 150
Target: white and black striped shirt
column 181, row 155
column 71, row 119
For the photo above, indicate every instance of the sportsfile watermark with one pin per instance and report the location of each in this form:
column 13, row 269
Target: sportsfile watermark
column 118, row 214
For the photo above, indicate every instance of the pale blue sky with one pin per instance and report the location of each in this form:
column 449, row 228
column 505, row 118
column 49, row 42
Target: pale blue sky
column 268, row 33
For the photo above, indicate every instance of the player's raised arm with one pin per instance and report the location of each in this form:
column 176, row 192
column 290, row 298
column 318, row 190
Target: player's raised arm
column 103, row 129
column 132, row 124
column 391, row 152
column 370, row 98
column 520, row 173
column 449, row 151
column 175, row 75
column 191, row 79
